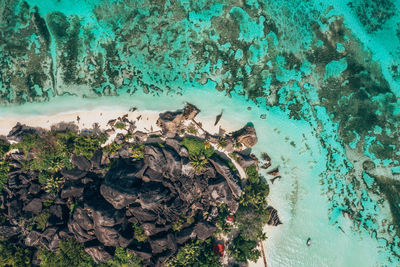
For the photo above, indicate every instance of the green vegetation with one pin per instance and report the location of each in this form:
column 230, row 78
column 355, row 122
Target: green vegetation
column 52, row 151
column 222, row 143
column 4, row 170
column 250, row 218
column 72, row 207
column 86, row 145
column 13, row 256
column 122, row 258
column 199, row 152
column 177, row 226
column 41, row 220
column 252, row 174
column 222, row 224
column 137, row 151
column 70, row 253
column 196, row 254
column 198, row 162
column 112, row 148
column 255, row 194
column 234, row 156
column 197, row 147
column 4, row 166
column 4, row 148
column 120, row 125
column 192, row 129
column 139, row 232
column 52, row 184
column 28, row 142
column 243, row 250
column 48, row 202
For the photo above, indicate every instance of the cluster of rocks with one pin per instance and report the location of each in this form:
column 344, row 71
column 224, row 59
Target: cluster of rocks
column 161, row 193
column 174, row 122
column 155, row 192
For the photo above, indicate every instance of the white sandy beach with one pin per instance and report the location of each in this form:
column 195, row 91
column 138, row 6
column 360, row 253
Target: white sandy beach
column 145, row 120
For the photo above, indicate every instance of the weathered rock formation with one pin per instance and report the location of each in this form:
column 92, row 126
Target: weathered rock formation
column 160, row 193
column 156, row 192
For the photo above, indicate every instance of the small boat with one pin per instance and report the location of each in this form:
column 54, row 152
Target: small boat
column 308, row 243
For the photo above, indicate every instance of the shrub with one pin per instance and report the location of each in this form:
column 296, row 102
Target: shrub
column 222, row 143
column 52, row 151
column 252, row 174
column 41, row 220
column 120, row 125
column 222, row 224
column 4, row 169
column 139, row 232
column 255, row 193
column 122, row 258
column 51, row 159
column 48, row 202
column 86, row 145
column 70, row 253
column 251, row 217
column 137, row 151
column 192, row 129
column 198, row 162
column 250, row 221
column 243, row 250
column 4, row 148
column 199, row 152
column 53, row 185
column 11, row 255
column 197, row 147
column 197, row 253
column 29, row 142
column 112, row 148
column 177, row 226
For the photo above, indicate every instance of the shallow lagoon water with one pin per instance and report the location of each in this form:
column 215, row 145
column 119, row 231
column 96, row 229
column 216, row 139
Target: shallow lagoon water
column 297, row 195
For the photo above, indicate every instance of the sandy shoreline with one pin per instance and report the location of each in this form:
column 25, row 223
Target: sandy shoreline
column 145, row 120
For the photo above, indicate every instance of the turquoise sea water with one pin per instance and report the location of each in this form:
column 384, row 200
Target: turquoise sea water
column 319, row 79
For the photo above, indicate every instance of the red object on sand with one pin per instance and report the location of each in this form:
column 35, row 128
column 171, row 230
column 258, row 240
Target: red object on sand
column 219, row 249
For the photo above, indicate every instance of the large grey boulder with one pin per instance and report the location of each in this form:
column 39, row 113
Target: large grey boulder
column 74, row 174
column 117, row 198
column 171, row 121
column 98, row 253
column 232, row 181
column 20, row 130
column 204, row 230
column 246, row 136
column 35, row 206
column 81, row 162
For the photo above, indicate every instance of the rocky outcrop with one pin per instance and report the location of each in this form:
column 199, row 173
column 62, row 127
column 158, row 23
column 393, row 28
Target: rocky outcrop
column 108, row 201
column 171, row 121
column 154, row 192
column 98, row 253
column 273, row 217
column 246, row 136
column 20, row 130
